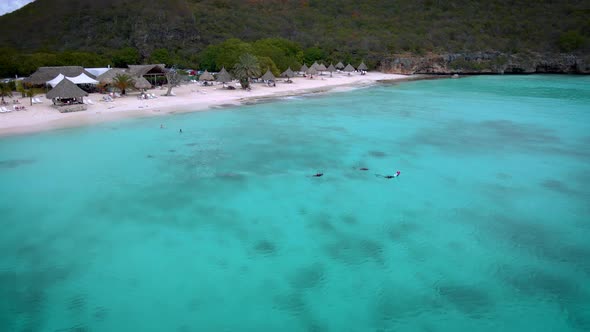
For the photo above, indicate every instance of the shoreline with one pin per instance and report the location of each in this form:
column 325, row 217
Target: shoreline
column 189, row 98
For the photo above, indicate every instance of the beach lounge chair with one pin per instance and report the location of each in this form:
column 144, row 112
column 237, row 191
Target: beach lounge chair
column 4, row 109
column 90, row 102
column 38, row 101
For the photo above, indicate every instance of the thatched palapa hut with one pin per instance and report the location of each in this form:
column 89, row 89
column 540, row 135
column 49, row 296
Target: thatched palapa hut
column 67, row 93
column 303, row 68
column 288, row 74
column 349, row 68
column 206, row 76
column 141, row 83
column 331, row 69
column 109, row 76
column 340, row 66
column 268, row 76
column 44, row 74
column 223, row 76
column 362, row 66
column 150, row 72
column 311, row 71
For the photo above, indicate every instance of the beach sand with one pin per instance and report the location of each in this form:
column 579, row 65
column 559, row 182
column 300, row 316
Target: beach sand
column 188, row 98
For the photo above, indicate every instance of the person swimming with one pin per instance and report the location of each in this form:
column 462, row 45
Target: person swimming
column 180, row 131
column 389, row 176
column 363, row 169
column 317, row 175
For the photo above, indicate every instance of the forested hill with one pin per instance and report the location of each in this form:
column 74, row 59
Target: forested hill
column 366, row 29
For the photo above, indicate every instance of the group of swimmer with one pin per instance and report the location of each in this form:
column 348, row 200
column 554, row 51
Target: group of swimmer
column 396, row 174
column 320, row 174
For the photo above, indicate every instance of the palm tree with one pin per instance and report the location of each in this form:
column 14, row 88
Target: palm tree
column 246, row 68
column 5, row 91
column 122, row 82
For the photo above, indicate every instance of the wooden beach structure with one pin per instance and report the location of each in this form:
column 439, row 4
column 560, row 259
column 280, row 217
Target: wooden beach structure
column 67, row 97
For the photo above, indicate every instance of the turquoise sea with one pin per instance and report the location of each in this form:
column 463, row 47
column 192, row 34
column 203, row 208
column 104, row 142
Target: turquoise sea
column 128, row 227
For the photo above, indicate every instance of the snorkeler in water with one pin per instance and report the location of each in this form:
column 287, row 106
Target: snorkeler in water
column 363, row 169
column 317, row 175
column 389, row 176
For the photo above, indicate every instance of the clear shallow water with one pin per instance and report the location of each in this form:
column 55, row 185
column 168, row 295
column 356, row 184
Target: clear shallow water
column 127, row 227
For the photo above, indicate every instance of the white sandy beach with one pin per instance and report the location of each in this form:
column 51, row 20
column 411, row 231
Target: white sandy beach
column 188, row 98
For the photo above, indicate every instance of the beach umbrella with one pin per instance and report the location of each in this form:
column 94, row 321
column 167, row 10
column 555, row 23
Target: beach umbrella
column 268, row 76
column 141, row 83
column 362, row 66
column 339, row 65
column 331, row 69
column 349, row 68
column 321, row 68
column 223, row 76
column 206, row 76
column 311, row 71
column 288, row 74
column 303, row 68
column 315, row 66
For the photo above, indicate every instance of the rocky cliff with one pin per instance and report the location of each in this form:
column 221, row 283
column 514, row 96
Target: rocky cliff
column 486, row 63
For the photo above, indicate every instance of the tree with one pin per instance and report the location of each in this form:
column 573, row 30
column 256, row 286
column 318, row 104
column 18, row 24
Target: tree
column 123, row 82
column 225, row 54
column 173, row 79
column 5, row 91
column 313, row 54
column 161, row 55
column 283, row 52
column 246, row 68
column 265, row 63
column 125, row 56
column 571, row 41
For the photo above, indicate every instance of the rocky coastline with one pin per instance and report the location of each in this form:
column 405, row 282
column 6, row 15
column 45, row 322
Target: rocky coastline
column 486, row 63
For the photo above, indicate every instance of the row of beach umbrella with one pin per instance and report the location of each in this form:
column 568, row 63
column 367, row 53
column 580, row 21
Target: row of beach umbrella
column 224, row 77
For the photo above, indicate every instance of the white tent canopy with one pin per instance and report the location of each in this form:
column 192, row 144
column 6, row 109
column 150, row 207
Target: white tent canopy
column 80, row 79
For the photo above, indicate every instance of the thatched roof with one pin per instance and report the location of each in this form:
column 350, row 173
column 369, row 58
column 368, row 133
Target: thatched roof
column 331, row 68
column 303, row 68
column 349, row 68
column 44, row 74
column 362, row 66
column 321, row 67
column 140, row 70
column 141, row 83
column 315, row 65
column 339, row 65
column 288, row 73
column 311, row 71
column 66, row 89
column 268, row 76
column 109, row 76
column 223, row 76
column 206, row 76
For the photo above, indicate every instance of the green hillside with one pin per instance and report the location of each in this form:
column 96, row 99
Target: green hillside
column 368, row 29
